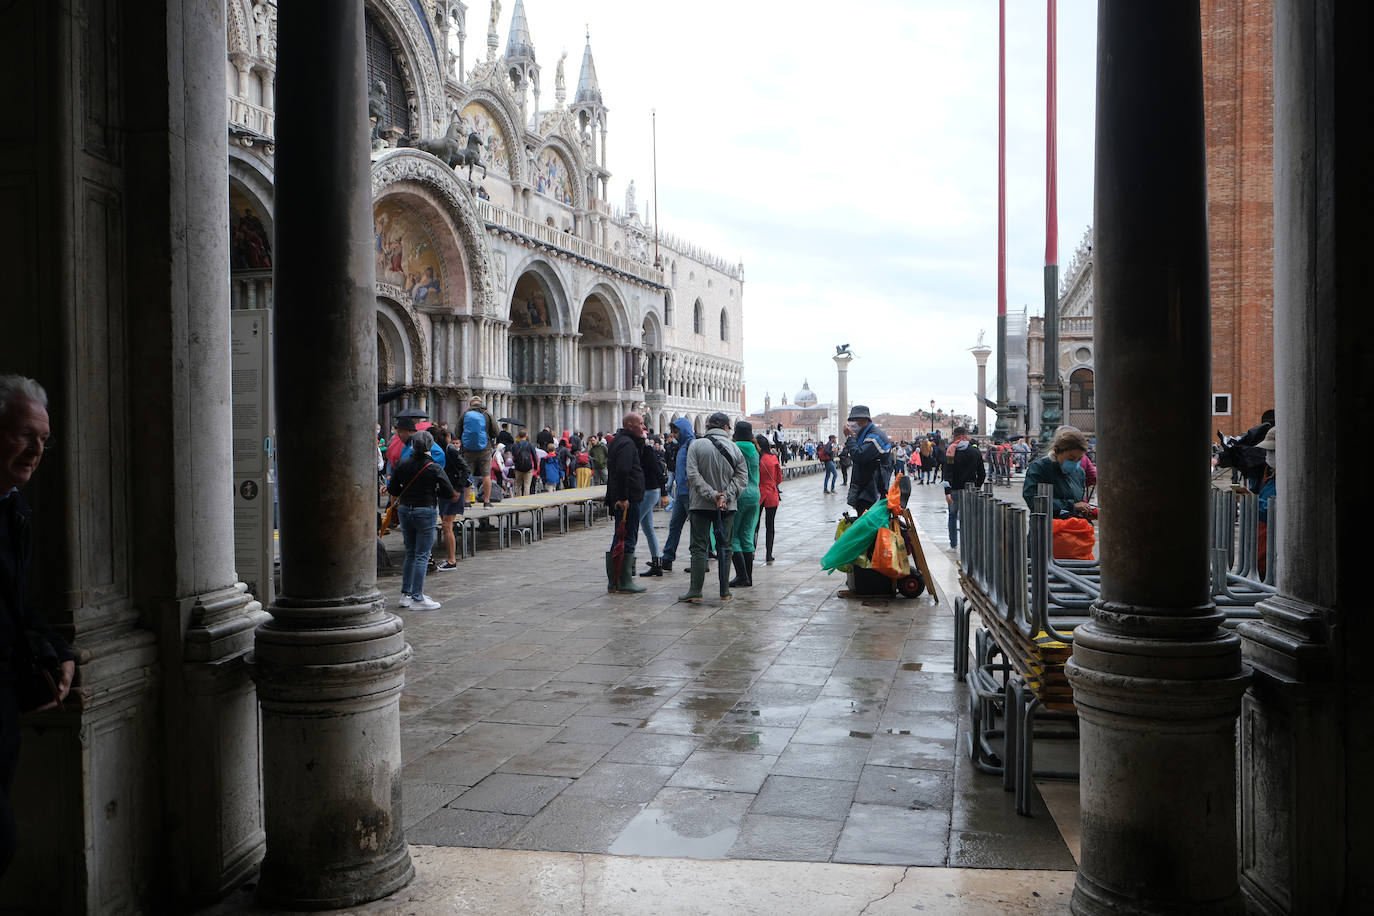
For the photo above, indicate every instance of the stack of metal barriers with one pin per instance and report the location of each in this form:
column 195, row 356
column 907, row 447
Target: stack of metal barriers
column 1030, row 604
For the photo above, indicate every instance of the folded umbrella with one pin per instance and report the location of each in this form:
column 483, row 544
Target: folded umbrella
column 618, row 551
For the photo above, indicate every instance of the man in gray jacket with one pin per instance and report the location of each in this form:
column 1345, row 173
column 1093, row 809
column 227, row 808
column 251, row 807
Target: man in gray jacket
column 716, row 475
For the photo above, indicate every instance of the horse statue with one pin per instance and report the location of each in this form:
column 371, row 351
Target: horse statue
column 451, row 150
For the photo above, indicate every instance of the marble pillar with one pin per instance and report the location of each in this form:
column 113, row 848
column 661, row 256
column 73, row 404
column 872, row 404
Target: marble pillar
column 330, row 664
column 1306, row 721
column 1157, row 681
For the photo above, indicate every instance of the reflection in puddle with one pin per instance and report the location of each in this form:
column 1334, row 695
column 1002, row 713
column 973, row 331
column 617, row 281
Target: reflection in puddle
column 651, row 833
column 912, row 666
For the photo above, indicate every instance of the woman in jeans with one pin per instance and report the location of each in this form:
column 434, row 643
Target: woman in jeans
column 655, row 476
column 418, row 484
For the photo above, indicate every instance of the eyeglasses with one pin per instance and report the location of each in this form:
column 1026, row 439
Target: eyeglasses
column 31, row 438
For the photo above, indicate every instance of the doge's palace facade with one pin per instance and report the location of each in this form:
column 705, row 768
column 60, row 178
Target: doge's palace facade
column 520, row 283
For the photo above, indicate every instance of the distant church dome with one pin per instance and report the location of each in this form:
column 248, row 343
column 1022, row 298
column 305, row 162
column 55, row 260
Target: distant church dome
column 806, row 397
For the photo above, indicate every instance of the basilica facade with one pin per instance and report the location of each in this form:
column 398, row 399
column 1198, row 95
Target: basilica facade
column 514, row 278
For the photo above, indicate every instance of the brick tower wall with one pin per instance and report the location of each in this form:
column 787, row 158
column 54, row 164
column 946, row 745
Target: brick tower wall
column 1238, row 64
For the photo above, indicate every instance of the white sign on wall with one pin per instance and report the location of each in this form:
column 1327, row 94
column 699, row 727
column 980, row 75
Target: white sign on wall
column 254, row 477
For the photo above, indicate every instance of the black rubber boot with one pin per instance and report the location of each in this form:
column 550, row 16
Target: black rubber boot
column 655, row 568
column 749, row 566
column 723, row 571
column 741, row 577
column 665, row 565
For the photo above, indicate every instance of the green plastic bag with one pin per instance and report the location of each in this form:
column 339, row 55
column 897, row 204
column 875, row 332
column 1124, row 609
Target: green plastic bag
column 857, row 539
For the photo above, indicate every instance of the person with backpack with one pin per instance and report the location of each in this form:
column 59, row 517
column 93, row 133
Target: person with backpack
column 826, row 456
column 477, row 438
column 456, row 469
column 551, row 471
column 523, row 461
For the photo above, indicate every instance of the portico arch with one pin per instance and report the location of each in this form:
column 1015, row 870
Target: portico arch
column 541, row 355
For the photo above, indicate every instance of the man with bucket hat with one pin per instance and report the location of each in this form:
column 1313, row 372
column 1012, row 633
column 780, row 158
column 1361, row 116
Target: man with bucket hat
column 872, row 456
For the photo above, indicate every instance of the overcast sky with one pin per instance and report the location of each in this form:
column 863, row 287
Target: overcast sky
column 847, row 154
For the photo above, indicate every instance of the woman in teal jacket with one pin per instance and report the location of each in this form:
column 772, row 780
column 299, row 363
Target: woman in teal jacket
column 747, row 510
column 1062, row 470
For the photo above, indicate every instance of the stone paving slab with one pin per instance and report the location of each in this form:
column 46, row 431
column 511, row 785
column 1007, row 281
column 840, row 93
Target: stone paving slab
column 543, row 713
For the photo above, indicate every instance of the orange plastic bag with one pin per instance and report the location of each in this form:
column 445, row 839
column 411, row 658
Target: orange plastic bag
column 889, row 553
column 894, row 495
column 1073, row 539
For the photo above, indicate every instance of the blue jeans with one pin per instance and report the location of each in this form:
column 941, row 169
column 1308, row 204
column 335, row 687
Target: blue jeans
column 675, row 524
column 953, row 519
column 646, row 519
column 831, row 475
column 418, row 530
column 631, row 528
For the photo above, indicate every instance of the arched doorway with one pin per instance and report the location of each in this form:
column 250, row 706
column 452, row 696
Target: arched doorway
column 541, row 351
column 600, row 371
column 1082, row 407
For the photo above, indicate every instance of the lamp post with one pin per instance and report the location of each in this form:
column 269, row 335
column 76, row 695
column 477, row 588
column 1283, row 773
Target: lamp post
column 932, row 418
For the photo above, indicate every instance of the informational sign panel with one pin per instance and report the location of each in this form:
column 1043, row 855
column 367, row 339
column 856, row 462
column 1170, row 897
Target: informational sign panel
column 254, row 440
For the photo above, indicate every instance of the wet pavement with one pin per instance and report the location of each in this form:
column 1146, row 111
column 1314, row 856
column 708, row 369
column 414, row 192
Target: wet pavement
column 541, row 713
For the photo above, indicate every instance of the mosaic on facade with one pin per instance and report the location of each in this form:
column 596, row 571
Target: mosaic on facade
column 480, row 121
column 406, row 256
column 551, row 177
column 250, row 242
column 594, row 324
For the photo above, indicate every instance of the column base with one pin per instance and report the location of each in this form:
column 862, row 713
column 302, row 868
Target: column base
column 330, row 700
column 1157, row 758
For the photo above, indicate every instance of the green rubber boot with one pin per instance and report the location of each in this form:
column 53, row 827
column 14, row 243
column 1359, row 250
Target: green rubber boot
column 610, row 572
column 627, row 575
column 698, row 571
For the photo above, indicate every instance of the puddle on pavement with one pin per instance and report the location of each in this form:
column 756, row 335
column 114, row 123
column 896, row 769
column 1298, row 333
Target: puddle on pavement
column 912, row 666
column 651, row 833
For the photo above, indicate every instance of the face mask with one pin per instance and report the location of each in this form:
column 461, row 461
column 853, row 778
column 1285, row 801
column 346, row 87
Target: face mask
column 1068, row 465
column 1269, row 459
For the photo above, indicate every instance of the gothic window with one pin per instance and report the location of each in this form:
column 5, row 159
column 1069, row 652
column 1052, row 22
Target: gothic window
column 382, row 65
column 1081, row 390
column 724, row 325
column 668, row 309
column 696, row 317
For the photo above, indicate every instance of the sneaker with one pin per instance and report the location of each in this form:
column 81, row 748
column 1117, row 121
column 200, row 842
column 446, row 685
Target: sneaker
column 445, row 566
column 406, row 601
column 426, row 603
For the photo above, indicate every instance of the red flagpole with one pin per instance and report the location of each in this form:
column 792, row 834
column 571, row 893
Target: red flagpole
column 1051, row 165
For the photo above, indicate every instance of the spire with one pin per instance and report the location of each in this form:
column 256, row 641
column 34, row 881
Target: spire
column 588, row 89
column 518, row 42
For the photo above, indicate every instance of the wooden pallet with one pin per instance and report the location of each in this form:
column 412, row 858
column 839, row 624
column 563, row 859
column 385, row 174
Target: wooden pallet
column 1039, row 661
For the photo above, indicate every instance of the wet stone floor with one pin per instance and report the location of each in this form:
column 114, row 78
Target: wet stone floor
column 542, row 713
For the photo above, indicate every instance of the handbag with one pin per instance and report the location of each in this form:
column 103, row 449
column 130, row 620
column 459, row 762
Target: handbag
column 1073, row 539
column 389, row 517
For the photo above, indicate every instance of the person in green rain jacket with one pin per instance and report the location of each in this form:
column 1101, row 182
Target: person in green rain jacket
column 747, row 514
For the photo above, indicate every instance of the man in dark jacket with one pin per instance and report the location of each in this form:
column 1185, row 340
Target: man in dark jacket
column 681, row 496
column 24, row 437
column 963, row 465
column 872, row 456
column 624, row 492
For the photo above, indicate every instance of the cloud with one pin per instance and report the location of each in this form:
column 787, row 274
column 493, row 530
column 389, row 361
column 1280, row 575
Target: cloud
column 848, row 156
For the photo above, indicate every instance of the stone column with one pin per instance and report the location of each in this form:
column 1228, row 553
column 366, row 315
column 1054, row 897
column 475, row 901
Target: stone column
column 1157, row 680
column 980, row 355
column 330, row 664
column 1305, row 747
column 842, row 361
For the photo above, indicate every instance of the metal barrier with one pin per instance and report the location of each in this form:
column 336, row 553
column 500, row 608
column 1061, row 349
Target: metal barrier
column 1237, row 584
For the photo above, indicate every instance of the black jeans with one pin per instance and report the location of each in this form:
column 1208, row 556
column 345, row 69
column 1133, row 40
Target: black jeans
column 768, row 517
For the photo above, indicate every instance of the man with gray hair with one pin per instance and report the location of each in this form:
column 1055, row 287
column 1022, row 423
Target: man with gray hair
column 716, row 476
column 27, row 644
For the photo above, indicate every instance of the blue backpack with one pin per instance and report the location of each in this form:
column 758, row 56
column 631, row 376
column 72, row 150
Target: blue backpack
column 474, row 431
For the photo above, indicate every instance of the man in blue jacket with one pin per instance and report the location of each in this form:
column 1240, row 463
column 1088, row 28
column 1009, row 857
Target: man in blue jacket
column 681, row 498
column 872, row 454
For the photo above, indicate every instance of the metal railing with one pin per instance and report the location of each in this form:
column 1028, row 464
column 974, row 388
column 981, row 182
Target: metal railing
column 501, row 218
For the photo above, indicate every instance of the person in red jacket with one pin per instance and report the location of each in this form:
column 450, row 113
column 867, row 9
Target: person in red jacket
column 770, row 477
